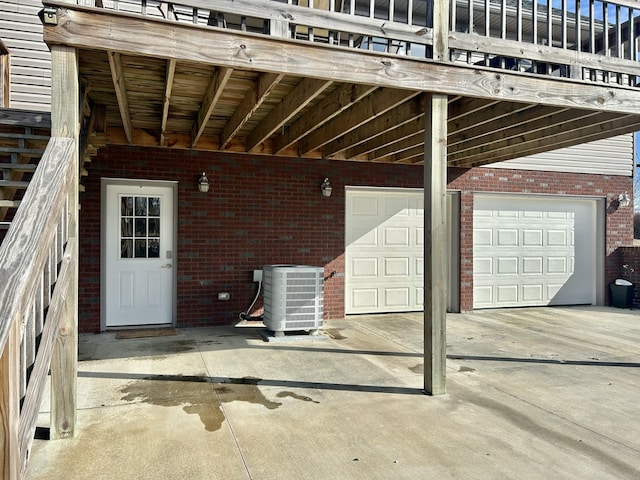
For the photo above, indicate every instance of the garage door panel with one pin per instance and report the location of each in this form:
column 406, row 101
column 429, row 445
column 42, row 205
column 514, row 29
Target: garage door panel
column 483, row 237
column 532, row 293
column 507, row 266
column 364, row 237
column 396, row 236
column 532, row 238
column 532, row 265
column 557, row 238
column 365, row 298
column 507, row 295
column 364, row 267
column 397, row 297
column 507, row 237
column 361, row 205
column 557, row 265
column 483, row 266
column 392, row 233
column 543, row 266
column 396, row 206
column 396, row 267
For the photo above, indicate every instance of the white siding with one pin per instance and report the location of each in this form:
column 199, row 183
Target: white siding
column 21, row 31
column 611, row 156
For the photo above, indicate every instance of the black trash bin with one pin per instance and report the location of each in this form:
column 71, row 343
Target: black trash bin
column 621, row 295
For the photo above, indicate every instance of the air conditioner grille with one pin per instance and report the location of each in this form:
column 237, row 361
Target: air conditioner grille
column 293, row 297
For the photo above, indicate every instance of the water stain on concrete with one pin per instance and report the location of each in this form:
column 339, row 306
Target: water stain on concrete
column 196, row 395
column 334, row 333
column 304, row 398
column 419, row 368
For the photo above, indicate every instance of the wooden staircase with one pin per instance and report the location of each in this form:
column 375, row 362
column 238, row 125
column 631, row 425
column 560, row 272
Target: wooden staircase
column 23, row 139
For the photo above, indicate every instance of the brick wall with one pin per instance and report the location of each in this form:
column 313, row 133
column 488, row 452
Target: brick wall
column 263, row 210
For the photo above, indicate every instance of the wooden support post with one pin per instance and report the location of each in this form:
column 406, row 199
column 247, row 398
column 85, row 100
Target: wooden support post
column 435, row 248
column 10, row 468
column 65, row 117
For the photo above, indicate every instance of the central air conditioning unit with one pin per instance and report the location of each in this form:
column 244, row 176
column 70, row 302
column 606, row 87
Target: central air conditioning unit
column 293, row 297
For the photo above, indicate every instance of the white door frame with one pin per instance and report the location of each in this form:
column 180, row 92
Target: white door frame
column 105, row 181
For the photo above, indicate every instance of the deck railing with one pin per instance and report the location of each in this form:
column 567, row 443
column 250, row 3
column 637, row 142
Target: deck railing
column 37, row 270
column 587, row 40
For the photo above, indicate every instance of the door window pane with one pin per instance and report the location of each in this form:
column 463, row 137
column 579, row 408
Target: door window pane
column 140, row 227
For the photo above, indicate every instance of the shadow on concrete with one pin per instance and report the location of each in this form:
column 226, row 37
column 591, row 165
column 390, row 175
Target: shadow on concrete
column 551, row 361
column 255, row 381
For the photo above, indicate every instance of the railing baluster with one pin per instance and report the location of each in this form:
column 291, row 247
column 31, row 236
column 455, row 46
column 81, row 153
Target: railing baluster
column 410, row 12
column 605, row 29
column 578, row 27
column 549, row 23
column 633, row 46
column 23, row 360
column 619, row 52
column 39, row 305
column 534, row 22
column 592, row 27
column 487, row 18
column 519, row 21
column 453, row 15
column 563, row 22
column 503, row 19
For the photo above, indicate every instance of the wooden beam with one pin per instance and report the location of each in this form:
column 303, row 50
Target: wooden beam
column 435, row 247
column 408, row 143
column 117, row 75
column 212, row 95
column 304, row 93
column 486, row 116
column 168, row 86
column 509, row 139
column 403, row 108
column 494, row 140
column 65, row 122
column 328, row 108
column 388, row 138
column 374, row 105
column 105, row 31
column 599, row 127
column 265, row 83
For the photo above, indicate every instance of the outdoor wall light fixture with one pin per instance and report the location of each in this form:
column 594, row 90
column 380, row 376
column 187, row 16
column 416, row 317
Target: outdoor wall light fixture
column 624, row 200
column 326, row 188
column 203, row 183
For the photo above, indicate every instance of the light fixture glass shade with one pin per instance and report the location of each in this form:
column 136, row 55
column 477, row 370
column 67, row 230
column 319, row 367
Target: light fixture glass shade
column 326, row 188
column 624, row 199
column 203, row 183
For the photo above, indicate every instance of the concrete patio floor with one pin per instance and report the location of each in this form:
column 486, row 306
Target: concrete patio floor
column 532, row 393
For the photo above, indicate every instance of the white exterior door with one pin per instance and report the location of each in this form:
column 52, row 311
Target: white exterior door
column 384, row 250
column 138, row 255
column 535, row 250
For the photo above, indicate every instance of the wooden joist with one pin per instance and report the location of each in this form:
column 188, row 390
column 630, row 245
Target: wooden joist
column 9, row 203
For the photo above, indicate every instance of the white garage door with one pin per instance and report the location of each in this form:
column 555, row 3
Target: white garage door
column 384, row 251
column 535, row 250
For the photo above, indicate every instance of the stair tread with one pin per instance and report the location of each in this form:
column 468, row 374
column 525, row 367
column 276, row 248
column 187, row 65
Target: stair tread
column 13, row 183
column 22, row 151
column 9, row 203
column 25, row 167
column 24, row 136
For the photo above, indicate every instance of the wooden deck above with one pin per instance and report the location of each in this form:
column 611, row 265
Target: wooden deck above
column 270, row 78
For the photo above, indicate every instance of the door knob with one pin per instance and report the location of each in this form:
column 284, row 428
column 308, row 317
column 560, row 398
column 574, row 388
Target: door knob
column 168, row 265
